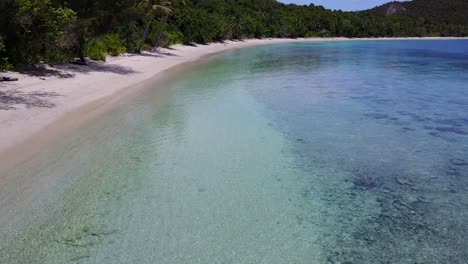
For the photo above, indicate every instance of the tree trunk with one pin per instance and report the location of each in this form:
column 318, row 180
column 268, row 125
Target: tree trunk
column 161, row 31
column 146, row 33
column 81, row 43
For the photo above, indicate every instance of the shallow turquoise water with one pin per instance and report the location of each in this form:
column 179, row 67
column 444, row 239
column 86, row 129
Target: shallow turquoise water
column 339, row 152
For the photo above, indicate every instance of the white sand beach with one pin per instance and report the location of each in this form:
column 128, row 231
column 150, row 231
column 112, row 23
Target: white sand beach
column 29, row 106
column 38, row 99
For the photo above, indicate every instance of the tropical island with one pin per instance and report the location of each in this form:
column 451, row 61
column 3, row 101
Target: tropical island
column 49, row 31
column 233, row 131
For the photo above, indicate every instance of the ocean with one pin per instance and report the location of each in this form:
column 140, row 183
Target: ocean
column 327, row 152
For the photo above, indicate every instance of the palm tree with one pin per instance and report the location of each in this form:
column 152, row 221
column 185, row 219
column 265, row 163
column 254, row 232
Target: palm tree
column 161, row 30
column 237, row 27
column 154, row 8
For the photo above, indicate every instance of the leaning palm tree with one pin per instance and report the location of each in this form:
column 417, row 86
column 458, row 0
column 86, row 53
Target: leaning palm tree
column 161, row 31
column 163, row 27
column 153, row 9
column 237, row 27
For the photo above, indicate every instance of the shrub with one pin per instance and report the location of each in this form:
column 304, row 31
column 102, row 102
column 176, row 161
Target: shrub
column 110, row 44
column 131, row 35
column 174, row 37
column 200, row 26
column 44, row 32
column 169, row 38
column 4, row 64
column 170, row 35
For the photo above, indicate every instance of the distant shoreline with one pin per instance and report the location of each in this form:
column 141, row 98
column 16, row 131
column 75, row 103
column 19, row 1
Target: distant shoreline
column 40, row 102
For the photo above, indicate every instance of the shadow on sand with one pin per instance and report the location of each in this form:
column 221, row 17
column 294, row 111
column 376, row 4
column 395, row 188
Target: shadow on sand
column 68, row 70
column 10, row 99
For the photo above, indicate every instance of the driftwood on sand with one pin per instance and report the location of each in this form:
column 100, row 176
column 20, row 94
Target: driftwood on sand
column 7, row 79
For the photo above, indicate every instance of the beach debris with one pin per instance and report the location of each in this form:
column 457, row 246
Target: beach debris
column 79, row 62
column 459, row 162
column 8, row 79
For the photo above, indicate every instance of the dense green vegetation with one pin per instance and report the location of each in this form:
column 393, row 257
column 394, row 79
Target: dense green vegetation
column 453, row 11
column 449, row 12
column 48, row 31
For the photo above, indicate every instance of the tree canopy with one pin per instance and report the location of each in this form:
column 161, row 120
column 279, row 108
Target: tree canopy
column 32, row 31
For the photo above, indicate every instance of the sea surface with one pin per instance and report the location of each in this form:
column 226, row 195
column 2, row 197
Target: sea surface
column 327, row 152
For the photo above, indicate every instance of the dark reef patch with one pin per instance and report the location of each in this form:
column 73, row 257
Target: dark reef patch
column 459, row 162
column 450, row 122
column 366, row 182
column 455, row 130
column 414, row 117
column 435, row 134
column 377, row 115
column 458, row 102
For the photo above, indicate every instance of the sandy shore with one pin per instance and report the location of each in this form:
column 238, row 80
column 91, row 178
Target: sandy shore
column 33, row 103
column 40, row 98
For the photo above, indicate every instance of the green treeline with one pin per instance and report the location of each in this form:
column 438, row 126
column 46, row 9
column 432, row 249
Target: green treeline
column 449, row 11
column 49, row 31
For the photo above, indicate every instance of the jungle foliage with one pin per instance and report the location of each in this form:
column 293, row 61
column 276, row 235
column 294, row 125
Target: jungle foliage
column 49, row 31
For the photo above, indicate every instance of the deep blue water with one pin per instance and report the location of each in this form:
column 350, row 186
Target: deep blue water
column 381, row 131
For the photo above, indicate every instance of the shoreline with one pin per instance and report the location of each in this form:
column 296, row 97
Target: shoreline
column 36, row 107
column 148, row 164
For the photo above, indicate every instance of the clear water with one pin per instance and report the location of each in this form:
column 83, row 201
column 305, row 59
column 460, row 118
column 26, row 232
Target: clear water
column 340, row 152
